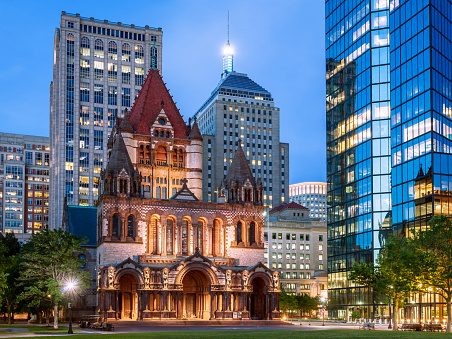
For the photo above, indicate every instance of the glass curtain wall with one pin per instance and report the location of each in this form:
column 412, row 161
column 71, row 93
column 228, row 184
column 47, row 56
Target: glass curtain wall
column 358, row 147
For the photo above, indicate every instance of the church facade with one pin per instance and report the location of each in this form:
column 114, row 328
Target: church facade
column 162, row 252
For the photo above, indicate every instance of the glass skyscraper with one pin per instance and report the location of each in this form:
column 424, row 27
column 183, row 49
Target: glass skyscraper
column 388, row 131
column 358, row 144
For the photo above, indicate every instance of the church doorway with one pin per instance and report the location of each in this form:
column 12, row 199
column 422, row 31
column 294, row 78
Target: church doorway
column 196, row 297
column 128, row 298
column 257, row 309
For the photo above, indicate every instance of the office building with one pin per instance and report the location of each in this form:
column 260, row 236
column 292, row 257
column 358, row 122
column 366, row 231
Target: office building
column 296, row 245
column 311, row 195
column 98, row 69
column 241, row 111
column 358, row 144
column 24, row 184
column 367, row 42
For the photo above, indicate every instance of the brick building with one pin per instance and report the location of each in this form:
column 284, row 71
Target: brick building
column 164, row 253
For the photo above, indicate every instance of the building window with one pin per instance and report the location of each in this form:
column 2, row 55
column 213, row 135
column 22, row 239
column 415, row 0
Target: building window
column 126, row 52
column 112, row 51
column 98, row 94
column 84, row 92
column 139, row 54
column 99, row 49
column 116, row 226
column 125, row 97
column 239, row 230
column 153, row 62
column 131, row 226
column 112, row 95
column 252, row 233
column 139, row 76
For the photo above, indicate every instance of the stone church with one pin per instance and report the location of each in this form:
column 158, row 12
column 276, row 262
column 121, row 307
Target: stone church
column 162, row 252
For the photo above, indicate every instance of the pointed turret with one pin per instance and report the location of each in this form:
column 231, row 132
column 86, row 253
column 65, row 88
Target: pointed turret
column 120, row 176
column 239, row 183
column 195, row 133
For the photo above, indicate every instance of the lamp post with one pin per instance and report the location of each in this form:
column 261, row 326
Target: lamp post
column 69, row 288
column 323, row 300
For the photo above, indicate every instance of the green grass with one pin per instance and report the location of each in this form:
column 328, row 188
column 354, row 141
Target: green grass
column 31, row 329
column 280, row 334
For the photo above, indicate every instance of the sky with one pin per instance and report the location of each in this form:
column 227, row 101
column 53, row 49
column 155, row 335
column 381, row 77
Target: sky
column 278, row 43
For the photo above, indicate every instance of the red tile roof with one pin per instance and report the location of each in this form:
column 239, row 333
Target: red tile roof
column 152, row 98
column 290, row 205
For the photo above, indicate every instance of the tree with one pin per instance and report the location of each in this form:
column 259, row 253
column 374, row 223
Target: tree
column 435, row 245
column 306, row 304
column 287, row 302
column 48, row 260
column 9, row 273
column 399, row 265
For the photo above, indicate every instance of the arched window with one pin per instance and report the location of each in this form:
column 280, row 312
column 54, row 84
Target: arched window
column 239, row 231
column 200, row 236
column 252, row 233
column 130, row 226
column 126, row 52
column 164, row 193
column 169, row 236
column 84, row 42
column 116, row 226
column 158, row 192
column 148, row 155
column 139, row 54
column 70, row 37
column 184, row 237
column 99, row 49
column 161, row 155
column 112, row 50
column 153, row 63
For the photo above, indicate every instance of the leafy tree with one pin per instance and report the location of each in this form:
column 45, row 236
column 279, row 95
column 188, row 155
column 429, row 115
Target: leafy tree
column 399, row 265
column 287, row 302
column 49, row 260
column 306, row 304
column 9, row 273
column 435, row 245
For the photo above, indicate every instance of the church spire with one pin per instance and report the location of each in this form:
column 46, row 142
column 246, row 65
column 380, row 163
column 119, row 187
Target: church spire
column 228, row 57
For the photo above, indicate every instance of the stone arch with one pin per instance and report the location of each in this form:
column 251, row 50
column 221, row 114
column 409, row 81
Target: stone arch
column 200, row 266
column 128, row 281
column 217, row 237
column 259, row 306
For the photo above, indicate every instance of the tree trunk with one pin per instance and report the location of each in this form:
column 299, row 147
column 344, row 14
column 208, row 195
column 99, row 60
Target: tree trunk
column 449, row 316
column 55, row 316
column 395, row 315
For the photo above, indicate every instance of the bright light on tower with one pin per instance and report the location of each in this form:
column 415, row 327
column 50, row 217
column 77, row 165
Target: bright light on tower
column 228, row 50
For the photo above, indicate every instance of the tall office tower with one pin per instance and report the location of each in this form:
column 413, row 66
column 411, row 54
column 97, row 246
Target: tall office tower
column 311, row 195
column 240, row 110
column 421, row 111
column 358, row 145
column 98, row 69
column 24, row 184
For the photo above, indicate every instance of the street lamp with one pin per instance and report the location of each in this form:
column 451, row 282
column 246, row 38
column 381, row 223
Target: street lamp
column 69, row 288
column 323, row 301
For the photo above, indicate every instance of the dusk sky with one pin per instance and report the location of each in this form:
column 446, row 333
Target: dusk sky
column 279, row 44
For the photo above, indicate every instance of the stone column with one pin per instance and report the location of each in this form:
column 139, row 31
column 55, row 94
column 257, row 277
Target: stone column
column 212, row 305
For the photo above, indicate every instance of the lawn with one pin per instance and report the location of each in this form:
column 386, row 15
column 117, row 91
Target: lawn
column 280, row 334
column 25, row 328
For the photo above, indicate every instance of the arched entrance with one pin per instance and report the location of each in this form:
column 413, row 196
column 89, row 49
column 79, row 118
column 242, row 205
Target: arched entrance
column 128, row 298
column 196, row 297
column 258, row 300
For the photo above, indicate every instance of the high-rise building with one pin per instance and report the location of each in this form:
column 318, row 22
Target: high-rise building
column 421, row 111
column 296, row 246
column 358, row 144
column 241, row 111
column 311, row 195
column 368, row 44
column 98, row 69
column 24, row 184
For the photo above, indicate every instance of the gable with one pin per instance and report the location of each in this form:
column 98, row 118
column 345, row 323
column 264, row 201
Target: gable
column 153, row 97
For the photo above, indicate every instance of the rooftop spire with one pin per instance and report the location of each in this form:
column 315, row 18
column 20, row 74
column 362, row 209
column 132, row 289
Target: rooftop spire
column 228, row 56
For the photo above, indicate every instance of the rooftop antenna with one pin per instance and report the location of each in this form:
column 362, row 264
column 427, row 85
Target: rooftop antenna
column 228, row 55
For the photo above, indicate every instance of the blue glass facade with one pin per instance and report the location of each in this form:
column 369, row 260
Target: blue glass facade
column 421, row 111
column 358, row 144
column 389, row 131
